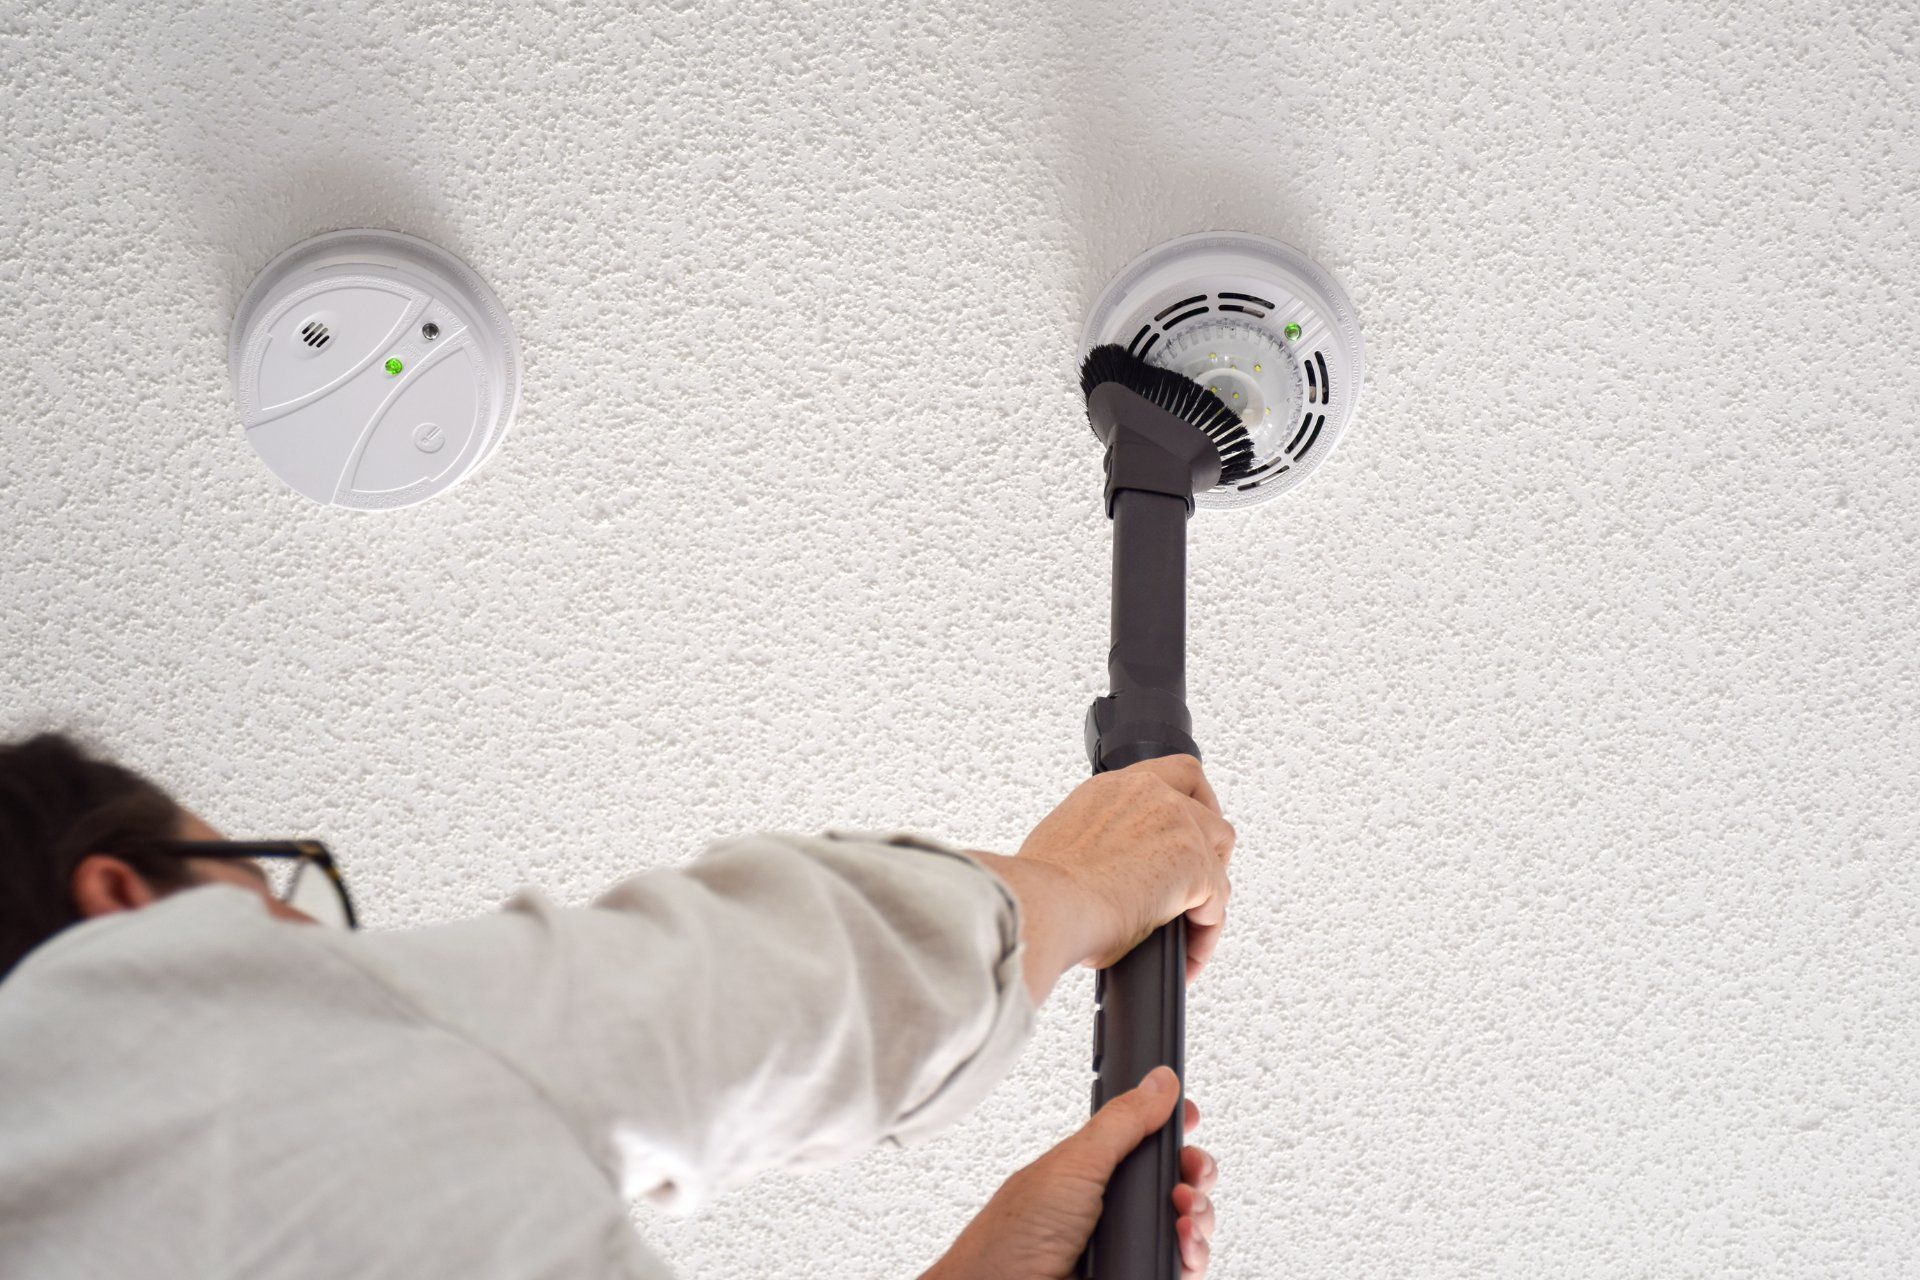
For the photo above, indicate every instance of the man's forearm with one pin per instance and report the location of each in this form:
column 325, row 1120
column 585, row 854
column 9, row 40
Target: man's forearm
column 1060, row 920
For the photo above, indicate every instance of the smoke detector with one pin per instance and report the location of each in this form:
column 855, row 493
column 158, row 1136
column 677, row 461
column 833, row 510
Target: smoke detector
column 373, row 370
column 1259, row 324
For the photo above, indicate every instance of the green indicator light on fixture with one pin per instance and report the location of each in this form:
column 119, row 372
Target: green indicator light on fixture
column 1292, row 331
column 394, row 366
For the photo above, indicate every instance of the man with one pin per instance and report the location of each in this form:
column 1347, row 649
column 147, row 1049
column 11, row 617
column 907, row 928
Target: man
column 195, row 1080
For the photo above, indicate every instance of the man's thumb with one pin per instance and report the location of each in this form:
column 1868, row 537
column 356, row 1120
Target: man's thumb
column 1124, row 1122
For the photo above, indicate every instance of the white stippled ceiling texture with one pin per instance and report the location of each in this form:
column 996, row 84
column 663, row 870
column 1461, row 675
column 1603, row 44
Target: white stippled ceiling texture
column 1567, row 714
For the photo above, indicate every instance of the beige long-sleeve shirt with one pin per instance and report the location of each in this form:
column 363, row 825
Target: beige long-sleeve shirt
column 198, row 1090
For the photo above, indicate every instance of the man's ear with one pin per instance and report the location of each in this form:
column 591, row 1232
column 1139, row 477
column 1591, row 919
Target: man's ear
column 104, row 884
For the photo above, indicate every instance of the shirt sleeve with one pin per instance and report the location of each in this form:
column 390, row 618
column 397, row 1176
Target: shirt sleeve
column 783, row 1001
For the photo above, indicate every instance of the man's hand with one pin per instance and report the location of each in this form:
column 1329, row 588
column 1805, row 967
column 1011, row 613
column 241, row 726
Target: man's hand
column 1124, row 853
column 1037, row 1224
column 1151, row 841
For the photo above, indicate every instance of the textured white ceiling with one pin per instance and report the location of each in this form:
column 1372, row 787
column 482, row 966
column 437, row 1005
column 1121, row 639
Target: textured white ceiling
column 1568, row 715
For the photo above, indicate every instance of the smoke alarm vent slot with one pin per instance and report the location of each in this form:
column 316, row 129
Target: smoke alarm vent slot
column 1306, row 448
column 1164, row 312
column 315, row 334
column 1247, row 297
column 1326, row 385
column 1184, row 315
column 1313, row 385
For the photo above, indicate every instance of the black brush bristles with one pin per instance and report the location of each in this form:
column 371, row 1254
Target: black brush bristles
column 1181, row 396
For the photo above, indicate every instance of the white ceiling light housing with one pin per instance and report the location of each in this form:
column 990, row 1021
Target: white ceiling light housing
column 373, row 370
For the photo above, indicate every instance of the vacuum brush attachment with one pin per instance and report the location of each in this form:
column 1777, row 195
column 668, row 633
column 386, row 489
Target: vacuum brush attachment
column 1219, row 371
column 1113, row 366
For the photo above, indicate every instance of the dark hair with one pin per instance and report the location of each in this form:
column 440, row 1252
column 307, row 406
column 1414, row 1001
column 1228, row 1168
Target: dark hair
column 57, row 805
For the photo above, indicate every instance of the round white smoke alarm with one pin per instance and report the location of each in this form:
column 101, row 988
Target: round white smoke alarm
column 373, row 370
column 1261, row 326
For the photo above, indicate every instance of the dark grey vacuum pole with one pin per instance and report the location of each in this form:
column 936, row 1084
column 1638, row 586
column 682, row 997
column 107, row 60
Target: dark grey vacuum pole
column 1155, row 463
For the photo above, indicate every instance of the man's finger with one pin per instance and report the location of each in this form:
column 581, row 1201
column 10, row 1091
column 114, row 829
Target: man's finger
column 1210, row 910
column 1204, row 921
column 1202, row 939
column 1121, row 1125
column 1191, row 1202
column 1199, row 1207
column 1219, row 833
column 1194, row 1252
column 1203, row 790
column 1197, row 1169
column 1184, row 775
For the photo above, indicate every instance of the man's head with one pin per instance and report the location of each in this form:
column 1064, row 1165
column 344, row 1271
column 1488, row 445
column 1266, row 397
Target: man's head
column 72, row 827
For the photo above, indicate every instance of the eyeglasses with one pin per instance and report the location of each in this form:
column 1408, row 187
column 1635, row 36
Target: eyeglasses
column 300, row 873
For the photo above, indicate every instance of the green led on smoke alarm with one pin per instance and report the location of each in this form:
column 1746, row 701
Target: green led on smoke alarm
column 394, row 366
column 1292, row 331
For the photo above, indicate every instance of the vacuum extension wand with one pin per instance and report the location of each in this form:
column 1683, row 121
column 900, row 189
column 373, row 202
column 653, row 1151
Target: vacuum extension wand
column 1156, row 459
column 1220, row 370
